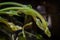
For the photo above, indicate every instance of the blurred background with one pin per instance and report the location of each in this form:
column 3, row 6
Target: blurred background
column 50, row 10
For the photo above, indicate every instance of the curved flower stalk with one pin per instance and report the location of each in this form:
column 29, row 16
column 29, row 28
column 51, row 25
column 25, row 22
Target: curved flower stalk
column 12, row 3
column 27, row 11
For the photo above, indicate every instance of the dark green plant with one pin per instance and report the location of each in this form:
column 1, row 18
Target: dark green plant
column 16, row 10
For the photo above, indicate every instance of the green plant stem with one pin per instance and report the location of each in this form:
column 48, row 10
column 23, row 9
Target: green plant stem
column 12, row 3
column 31, row 34
column 13, row 36
column 23, row 33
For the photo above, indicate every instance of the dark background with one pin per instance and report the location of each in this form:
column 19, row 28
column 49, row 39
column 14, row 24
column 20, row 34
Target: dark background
column 52, row 8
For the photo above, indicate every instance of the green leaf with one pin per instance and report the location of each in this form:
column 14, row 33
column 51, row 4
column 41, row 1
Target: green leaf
column 41, row 26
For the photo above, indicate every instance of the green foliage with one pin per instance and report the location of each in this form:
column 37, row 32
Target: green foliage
column 27, row 10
